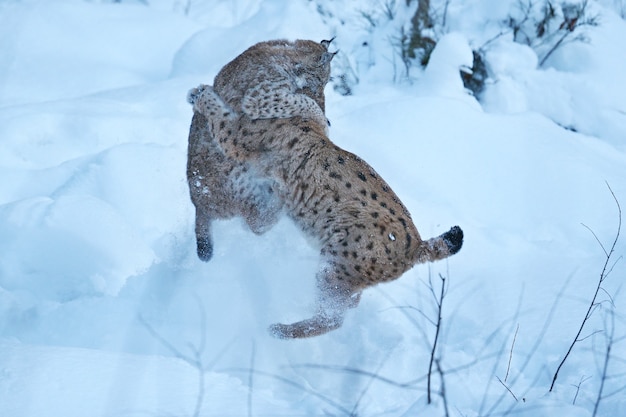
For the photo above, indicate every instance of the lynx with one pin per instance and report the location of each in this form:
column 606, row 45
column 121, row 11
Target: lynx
column 278, row 79
column 365, row 233
column 270, row 79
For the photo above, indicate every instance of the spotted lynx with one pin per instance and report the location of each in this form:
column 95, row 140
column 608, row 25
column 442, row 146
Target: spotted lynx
column 365, row 233
column 277, row 79
column 270, row 79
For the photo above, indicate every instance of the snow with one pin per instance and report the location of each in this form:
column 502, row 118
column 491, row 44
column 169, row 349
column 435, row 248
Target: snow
column 105, row 309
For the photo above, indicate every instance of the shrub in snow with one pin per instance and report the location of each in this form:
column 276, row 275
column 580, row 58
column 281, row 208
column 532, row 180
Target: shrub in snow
column 546, row 25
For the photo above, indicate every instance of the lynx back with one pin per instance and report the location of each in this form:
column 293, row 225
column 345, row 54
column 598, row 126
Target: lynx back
column 365, row 233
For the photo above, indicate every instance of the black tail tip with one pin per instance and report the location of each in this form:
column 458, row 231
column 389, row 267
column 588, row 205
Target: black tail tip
column 454, row 239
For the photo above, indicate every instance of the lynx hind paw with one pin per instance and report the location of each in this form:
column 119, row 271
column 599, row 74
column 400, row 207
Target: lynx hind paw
column 454, row 239
column 205, row 249
column 294, row 331
column 314, row 326
column 281, row 331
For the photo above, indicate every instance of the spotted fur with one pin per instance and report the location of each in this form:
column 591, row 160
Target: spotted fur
column 270, row 79
column 277, row 79
column 365, row 233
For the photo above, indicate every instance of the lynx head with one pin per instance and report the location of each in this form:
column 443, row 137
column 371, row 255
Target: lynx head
column 312, row 67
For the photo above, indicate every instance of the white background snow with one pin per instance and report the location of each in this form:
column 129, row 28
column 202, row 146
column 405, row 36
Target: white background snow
column 105, row 309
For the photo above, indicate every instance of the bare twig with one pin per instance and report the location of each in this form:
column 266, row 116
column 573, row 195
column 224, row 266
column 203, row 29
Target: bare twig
column 583, row 379
column 442, row 391
column 411, row 385
column 293, row 384
column 593, row 303
column 607, row 357
column 374, row 375
column 445, row 14
column 439, row 302
column 251, row 379
column 409, row 317
column 508, row 367
column 538, row 339
column 421, row 313
column 196, row 358
column 507, row 388
column 575, row 16
column 369, row 383
column 195, row 361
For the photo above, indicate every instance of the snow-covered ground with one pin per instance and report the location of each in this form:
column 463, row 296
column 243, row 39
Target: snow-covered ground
column 105, row 309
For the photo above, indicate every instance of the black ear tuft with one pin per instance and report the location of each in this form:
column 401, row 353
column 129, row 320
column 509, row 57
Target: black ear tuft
column 327, row 57
column 326, row 43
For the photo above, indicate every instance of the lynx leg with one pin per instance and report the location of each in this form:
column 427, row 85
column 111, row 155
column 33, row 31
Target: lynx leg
column 335, row 297
column 204, row 240
column 260, row 220
column 315, row 326
column 280, row 103
column 263, row 208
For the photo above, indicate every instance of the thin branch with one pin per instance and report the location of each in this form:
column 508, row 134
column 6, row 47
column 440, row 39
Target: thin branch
column 607, row 357
column 617, row 391
column 411, row 385
column 409, row 317
column 592, row 304
column 177, row 353
column 251, row 379
column 609, row 295
column 437, row 331
column 369, row 383
column 293, row 384
column 596, row 237
column 583, row 379
column 507, row 388
column 538, row 341
column 442, row 392
column 373, row 375
column 508, row 367
column 589, row 335
column 201, row 387
column 500, row 351
column 196, row 361
column 421, row 313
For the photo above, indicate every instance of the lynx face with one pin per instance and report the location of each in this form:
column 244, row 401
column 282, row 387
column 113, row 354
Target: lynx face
column 278, row 79
column 365, row 233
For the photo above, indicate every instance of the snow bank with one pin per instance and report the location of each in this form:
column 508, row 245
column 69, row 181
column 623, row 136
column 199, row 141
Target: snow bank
column 117, row 47
column 105, row 309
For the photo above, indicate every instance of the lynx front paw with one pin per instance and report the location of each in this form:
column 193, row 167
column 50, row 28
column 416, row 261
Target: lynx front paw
column 195, row 93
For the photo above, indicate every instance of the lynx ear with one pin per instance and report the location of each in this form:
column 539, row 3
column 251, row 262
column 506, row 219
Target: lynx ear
column 326, row 43
column 327, row 57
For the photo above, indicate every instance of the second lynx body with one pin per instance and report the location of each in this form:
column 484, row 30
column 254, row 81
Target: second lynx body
column 270, row 79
